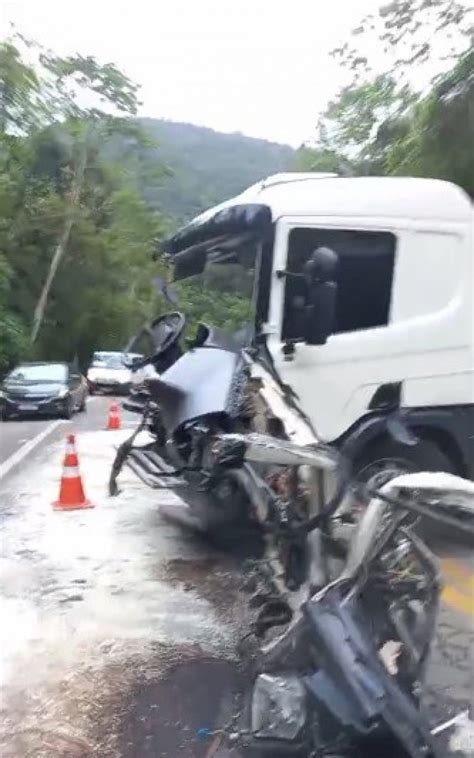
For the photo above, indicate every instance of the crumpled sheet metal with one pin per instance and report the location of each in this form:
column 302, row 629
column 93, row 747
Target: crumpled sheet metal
column 262, row 448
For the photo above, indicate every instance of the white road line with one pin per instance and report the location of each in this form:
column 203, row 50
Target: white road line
column 23, row 451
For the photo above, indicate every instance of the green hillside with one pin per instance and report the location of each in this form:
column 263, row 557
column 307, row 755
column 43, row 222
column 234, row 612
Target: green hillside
column 206, row 166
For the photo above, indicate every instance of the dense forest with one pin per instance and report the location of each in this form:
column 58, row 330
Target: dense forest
column 408, row 107
column 206, row 167
column 75, row 237
column 88, row 192
column 86, row 197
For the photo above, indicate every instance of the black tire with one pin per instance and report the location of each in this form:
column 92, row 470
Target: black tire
column 4, row 416
column 381, row 462
column 68, row 410
column 385, row 460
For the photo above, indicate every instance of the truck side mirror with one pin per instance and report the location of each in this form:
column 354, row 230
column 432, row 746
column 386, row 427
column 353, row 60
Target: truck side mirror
column 320, row 272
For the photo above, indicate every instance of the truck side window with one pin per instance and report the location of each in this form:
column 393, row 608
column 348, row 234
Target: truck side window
column 366, row 264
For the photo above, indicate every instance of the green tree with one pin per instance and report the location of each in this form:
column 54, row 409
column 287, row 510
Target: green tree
column 76, row 78
column 75, row 237
column 436, row 138
column 401, row 121
column 13, row 334
column 19, row 87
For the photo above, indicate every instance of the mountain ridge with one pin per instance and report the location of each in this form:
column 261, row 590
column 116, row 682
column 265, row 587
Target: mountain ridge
column 206, row 166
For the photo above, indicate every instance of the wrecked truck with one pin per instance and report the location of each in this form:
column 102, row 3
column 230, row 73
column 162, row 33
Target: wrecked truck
column 291, row 437
column 390, row 328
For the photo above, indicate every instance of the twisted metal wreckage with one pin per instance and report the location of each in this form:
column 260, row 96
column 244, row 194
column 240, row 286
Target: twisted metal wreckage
column 344, row 589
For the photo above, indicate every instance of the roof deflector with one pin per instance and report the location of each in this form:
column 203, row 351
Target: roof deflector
column 244, row 219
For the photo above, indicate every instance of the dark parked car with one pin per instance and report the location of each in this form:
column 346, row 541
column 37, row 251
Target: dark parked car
column 49, row 389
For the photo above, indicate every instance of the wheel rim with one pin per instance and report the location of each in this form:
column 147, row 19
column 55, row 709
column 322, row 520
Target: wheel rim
column 378, row 473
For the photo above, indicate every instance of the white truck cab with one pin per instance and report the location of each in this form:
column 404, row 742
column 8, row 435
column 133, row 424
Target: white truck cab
column 400, row 341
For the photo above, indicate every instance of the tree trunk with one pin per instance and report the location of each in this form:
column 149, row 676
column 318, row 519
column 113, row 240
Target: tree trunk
column 61, row 247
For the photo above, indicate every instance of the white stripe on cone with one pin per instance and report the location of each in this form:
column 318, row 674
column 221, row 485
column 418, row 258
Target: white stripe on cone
column 71, row 472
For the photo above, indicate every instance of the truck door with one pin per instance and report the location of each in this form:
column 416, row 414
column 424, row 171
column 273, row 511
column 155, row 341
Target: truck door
column 335, row 381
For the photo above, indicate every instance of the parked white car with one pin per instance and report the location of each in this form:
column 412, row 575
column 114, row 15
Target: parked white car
column 108, row 372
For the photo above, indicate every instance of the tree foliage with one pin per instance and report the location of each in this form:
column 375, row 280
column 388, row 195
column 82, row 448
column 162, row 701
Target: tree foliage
column 415, row 118
column 84, row 187
column 59, row 193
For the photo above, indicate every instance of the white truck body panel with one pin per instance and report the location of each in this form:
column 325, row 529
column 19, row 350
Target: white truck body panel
column 423, row 342
column 427, row 344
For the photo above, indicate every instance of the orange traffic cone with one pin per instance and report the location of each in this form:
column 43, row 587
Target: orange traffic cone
column 71, row 493
column 113, row 421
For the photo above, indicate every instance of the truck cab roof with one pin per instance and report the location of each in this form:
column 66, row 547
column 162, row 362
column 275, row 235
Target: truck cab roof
column 327, row 195
column 251, row 214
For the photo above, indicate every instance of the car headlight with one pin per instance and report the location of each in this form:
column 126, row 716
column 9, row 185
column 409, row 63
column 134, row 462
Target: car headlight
column 62, row 393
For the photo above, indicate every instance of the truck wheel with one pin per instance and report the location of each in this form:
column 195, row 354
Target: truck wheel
column 388, row 459
column 68, row 410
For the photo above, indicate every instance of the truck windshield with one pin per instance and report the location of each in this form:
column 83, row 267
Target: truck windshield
column 224, row 294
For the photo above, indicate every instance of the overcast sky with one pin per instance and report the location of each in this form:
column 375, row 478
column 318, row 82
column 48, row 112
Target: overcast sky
column 254, row 66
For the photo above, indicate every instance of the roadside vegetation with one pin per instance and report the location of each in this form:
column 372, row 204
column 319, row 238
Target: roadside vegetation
column 83, row 185
column 408, row 106
column 75, row 236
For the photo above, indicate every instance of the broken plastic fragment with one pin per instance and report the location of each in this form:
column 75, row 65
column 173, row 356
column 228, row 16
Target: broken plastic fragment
column 278, row 707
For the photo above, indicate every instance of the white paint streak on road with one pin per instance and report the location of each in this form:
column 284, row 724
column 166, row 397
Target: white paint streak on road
column 88, row 611
column 16, row 457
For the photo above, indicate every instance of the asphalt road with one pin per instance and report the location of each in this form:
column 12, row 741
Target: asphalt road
column 15, row 434
column 119, row 632
column 29, row 432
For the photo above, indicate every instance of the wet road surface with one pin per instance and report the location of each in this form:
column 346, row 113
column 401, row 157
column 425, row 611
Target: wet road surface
column 20, row 437
column 119, row 632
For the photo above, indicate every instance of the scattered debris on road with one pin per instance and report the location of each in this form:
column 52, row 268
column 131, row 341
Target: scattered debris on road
column 118, row 632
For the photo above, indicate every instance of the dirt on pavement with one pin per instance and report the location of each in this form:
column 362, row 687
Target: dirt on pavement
column 119, row 631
